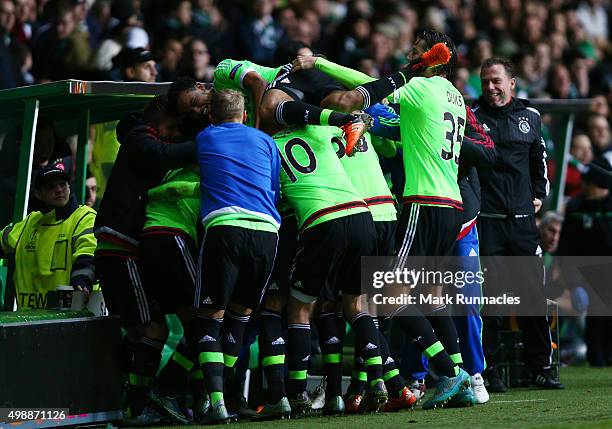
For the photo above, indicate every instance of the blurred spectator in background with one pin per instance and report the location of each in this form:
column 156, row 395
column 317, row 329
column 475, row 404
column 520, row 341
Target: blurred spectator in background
column 353, row 40
column 170, row 58
column 100, row 22
column 572, row 299
column 91, row 189
column 600, row 106
column 480, row 51
column 260, row 33
column 119, row 38
column 560, row 83
column 9, row 76
column 61, row 50
column 598, row 128
column 581, row 154
column 26, row 24
column 178, row 22
column 594, row 19
column 587, row 231
column 527, row 74
column 136, row 65
column 23, row 57
column 196, row 62
column 550, row 232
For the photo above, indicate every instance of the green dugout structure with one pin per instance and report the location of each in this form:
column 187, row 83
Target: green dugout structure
column 72, row 106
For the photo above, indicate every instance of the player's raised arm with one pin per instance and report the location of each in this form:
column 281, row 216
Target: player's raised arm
column 345, row 75
column 365, row 90
column 421, row 64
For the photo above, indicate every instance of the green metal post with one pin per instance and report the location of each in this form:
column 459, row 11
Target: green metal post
column 26, row 153
column 561, row 161
column 81, row 158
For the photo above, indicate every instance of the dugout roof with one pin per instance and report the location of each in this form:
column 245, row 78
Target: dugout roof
column 72, row 105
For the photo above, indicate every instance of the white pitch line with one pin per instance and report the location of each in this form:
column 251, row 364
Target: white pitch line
column 518, row 400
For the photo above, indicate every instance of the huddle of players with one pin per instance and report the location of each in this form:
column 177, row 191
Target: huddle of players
column 337, row 208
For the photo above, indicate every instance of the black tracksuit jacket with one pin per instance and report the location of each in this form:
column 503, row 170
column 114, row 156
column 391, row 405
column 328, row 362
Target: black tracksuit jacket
column 511, row 185
column 142, row 162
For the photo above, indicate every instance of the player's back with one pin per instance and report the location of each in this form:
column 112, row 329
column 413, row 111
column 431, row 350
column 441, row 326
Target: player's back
column 365, row 173
column 432, row 125
column 230, row 74
column 312, row 178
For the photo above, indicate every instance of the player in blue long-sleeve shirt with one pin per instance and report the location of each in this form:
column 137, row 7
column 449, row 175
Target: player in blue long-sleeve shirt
column 239, row 169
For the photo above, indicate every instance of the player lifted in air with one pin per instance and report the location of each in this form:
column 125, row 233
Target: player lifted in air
column 192, row 98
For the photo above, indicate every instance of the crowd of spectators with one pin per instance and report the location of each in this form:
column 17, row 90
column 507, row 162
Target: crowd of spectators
column 561, row 47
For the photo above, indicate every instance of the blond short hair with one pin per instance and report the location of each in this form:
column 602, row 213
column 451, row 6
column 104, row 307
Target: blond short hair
column 226, row 105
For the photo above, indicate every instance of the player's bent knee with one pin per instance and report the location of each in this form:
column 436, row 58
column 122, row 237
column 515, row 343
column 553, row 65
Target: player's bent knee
column 299, row 311
column 274, row 303
column 240, row 309
column 326, row 306
column 345, row 101
column 210, row 313
column 351, row 305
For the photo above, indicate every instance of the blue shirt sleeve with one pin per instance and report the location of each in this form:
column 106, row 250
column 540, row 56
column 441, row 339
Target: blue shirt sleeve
column 386, row 121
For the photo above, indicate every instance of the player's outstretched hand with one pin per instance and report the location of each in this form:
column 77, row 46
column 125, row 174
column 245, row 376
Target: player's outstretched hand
column 303, row 62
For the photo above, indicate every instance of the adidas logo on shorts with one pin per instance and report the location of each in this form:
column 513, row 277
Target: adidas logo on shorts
column 273, row 286
column 333, row 340
column 207, row 300
column 370, row 346
column 206, row 339
column 389, row 360
column 279, row 341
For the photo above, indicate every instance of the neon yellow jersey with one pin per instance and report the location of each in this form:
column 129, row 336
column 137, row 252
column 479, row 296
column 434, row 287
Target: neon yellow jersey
column 176, row 202
column 432, row 124
column 365, row 174
column 230, row 74
column 45, row 249
column 313, row 181
column 103, row 154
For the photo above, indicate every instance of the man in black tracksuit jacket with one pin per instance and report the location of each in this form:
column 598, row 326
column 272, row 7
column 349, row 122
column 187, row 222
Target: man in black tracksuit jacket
column 142, row 162
column 512, row 192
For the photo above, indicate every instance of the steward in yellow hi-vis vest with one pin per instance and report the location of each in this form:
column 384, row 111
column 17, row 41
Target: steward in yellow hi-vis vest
column 53, row 247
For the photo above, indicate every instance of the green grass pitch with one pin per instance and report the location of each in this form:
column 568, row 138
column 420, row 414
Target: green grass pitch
column 585, row 403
